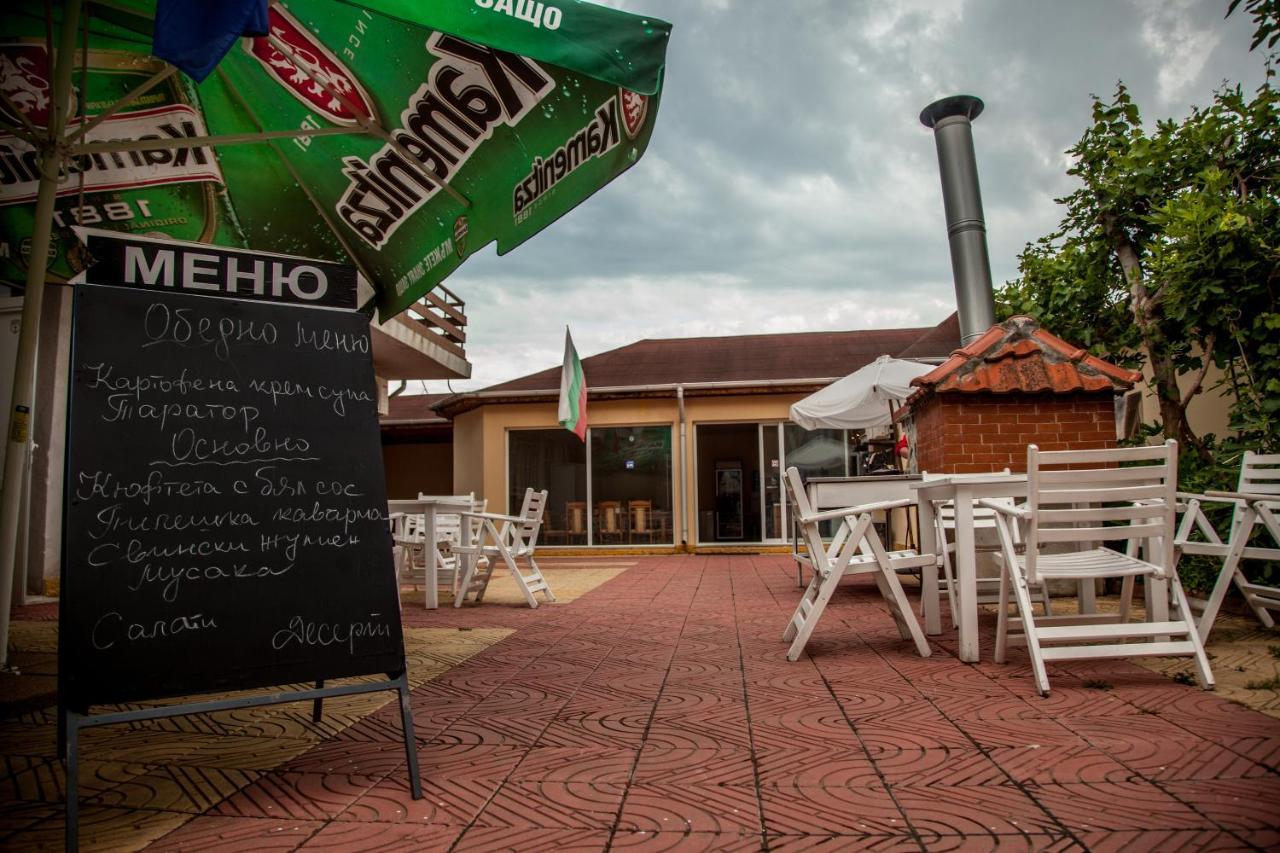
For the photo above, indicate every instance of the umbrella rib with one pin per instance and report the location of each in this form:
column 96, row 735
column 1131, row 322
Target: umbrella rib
column 109, row 146
column 315, row 203
column 129, row 97
column 33, row 141
column 371, row 124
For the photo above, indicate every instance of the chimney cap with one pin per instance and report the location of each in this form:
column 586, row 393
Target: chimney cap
column 968, row 106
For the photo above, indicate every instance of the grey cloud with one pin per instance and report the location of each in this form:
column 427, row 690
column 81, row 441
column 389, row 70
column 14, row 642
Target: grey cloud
column 788, row 165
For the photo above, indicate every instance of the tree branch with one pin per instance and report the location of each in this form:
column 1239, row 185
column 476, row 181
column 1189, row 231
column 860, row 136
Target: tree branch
column 1207, row 355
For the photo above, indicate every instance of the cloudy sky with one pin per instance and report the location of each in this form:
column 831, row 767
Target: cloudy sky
column 790, row 187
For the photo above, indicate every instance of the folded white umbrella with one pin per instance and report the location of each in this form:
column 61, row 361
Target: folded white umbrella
column 861, row 399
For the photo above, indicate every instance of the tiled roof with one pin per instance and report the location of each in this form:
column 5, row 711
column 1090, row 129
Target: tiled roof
column 938, row 342
column 740, row 358
column 1018, row 356
column 807, row 359
column 414, row 408
column 747, row 358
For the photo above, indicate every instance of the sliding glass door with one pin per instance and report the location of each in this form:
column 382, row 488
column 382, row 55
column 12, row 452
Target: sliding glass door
column 614, row 490
column 741, row 497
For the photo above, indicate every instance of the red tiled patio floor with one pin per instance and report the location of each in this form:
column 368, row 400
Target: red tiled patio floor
column 658, row 712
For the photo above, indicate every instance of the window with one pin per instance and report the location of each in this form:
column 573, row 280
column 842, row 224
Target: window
column 817, row 453
column 631, row 485
column 555, row 460
column 628, row 501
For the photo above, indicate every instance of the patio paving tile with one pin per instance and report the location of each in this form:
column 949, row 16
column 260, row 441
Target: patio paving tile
column 889, row 735
column 829, row 770
column 639, row 841
column 453, row 803
column 1248, row 804
column 270, row 835
column 1061, row 763
column 673, row 807
column 588, row 765
column 957, row 766
column 1184, row 758
column 301, row 796
column 658, row 712
column 1166, row 841
column 946, row 810
column 1038, row 843
column 442, row 762
column 1035, row 731
column 558, row 805
column 502, row 839
column 695, row 766
column 382, row 837
column 1117, row 806
column 834, row 843
column 863, row 809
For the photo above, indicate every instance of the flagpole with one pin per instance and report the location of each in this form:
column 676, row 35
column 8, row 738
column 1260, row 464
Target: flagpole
column 21, row 414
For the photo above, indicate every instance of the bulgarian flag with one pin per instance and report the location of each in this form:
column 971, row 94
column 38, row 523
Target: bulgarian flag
column 573, row 391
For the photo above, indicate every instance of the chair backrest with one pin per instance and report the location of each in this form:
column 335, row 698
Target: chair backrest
column 576, row 516
column 640, row 514
column 526, row 531
column 1259, row 474
column 1087, row 496
column 810, row 531
column 414, row 524
column 610, row 516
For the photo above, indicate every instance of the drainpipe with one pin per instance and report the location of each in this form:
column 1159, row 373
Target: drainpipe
column 951, row 120
column 684, row 472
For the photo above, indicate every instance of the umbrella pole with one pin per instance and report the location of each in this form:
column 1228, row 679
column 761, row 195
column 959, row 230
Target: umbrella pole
column 893, row 436
column 20, row 417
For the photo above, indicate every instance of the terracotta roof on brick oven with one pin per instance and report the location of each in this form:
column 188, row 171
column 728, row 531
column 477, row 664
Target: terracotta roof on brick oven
column 1018, row 356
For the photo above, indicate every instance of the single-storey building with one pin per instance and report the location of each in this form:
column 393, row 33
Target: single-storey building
column 687, row 442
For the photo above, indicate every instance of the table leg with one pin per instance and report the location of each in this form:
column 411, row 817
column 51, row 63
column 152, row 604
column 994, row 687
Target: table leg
column 929, row 574
column 430, row 555
column 966, row 576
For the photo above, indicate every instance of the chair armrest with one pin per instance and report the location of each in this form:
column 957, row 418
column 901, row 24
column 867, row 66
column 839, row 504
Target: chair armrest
column 1212, row 497
column 492, row 516
column 1242, row 497
column 1004, row 508
column 845, row 511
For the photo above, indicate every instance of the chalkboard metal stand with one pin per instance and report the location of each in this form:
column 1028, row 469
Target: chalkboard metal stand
column 75, row 721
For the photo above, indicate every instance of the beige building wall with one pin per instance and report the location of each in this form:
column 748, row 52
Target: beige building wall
column 1209, row 412
column 480, row 438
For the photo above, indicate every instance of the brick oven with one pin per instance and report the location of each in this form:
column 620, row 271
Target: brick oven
column 1017, row 384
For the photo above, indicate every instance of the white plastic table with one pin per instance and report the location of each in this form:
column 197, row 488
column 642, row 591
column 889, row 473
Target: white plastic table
column 963, row 491
column 427, row 507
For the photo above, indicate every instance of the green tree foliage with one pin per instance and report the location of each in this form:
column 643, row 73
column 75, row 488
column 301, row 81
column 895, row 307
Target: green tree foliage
column 1168, row 257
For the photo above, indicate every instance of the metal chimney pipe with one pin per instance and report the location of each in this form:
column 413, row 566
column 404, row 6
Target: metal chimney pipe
column 951, row 120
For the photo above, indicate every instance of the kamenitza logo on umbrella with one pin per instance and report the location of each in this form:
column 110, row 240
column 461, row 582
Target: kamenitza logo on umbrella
column 595, row 139
column 471, row 90
column 311, row 73
column 24, row 81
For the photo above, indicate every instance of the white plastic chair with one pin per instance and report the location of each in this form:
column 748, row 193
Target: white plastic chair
column 452, row 531
column 984, row 519
column 1256, row 502
column 516, row 540
column 408, row 552
column 1079, row 497
column 855, row 549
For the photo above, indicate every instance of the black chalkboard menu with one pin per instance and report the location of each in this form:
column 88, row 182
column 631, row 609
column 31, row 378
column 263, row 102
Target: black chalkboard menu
column 224, row 521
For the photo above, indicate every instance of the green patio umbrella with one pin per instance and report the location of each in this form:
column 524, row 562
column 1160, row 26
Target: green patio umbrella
column 399, row 136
